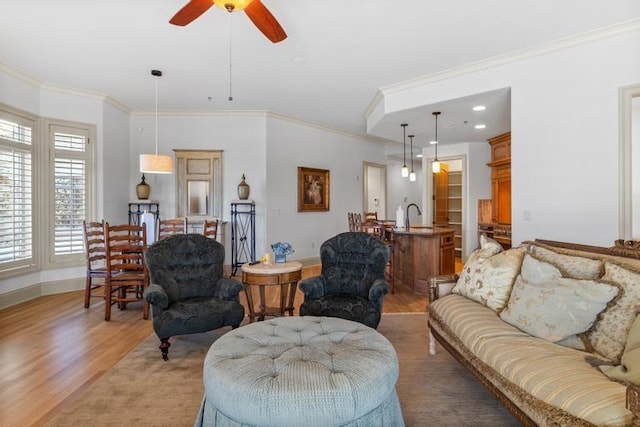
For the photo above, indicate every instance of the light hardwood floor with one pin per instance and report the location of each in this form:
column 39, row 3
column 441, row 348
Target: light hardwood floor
column 52, row 348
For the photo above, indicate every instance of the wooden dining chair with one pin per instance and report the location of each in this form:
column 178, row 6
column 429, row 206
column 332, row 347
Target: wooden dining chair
column 96, row 259
column 169, row 227
column 370, row 216
column 210, row 228
column 127, row 276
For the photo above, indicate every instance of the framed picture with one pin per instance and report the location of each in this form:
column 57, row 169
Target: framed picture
column 313, row 190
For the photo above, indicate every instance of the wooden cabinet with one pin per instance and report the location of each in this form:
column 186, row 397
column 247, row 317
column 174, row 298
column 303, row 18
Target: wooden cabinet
column 501, row 178
column 420, row 254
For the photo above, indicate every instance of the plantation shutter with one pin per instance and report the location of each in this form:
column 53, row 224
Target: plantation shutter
column 16, row 192
column 70, row 189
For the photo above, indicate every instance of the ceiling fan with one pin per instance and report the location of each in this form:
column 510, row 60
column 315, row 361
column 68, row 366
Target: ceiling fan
column 255, row 10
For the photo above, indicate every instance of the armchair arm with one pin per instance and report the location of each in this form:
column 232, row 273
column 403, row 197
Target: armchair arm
column 156, row 296
column 312, row 287
column 228, row 288
column 377, row 291
column 440, row 286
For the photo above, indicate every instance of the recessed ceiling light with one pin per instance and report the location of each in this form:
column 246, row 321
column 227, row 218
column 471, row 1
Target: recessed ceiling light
column 433, row 142
column 479, row 108
column 419, row 156
column 480, row 126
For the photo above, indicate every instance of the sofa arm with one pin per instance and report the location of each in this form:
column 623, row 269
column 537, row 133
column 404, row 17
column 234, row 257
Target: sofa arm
column 377, row 291
column 312, row 287
column 228, row 288
column 440, row 286
column 156, row 296
column 633, row 403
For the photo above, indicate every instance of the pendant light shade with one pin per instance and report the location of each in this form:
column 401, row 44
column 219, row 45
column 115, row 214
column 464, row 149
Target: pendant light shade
column 405, row 169
column 435, row 165
column 412, row 174
column 156, row 163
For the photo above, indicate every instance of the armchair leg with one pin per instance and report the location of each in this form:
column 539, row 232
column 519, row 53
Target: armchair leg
column 164, row 348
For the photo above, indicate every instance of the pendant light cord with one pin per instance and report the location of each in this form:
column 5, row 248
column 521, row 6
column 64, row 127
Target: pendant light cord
column 411, row 139
column 156, row 115
column 230, row 61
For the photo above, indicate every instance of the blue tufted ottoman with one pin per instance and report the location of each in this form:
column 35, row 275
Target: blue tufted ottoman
column 301, row 371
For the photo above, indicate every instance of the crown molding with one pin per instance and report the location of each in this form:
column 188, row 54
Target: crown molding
column 559, row 44
column 258, row 113
column 39, row 84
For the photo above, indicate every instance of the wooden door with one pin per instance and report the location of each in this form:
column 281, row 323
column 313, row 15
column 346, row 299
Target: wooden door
column 441, row 197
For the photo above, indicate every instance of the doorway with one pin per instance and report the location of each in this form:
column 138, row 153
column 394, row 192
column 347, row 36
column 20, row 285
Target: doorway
column 448, row 199
column 374, row 193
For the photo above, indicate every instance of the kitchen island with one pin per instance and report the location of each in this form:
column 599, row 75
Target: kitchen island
column 419, row 253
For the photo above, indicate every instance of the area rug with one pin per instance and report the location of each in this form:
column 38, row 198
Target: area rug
column 143, row 390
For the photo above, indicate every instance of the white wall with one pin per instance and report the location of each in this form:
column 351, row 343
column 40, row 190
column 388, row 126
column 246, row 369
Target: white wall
column 564, row 124
column 292, row 144
column 241, row 136
column 401, row 191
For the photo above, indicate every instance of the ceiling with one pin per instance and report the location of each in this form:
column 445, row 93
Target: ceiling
column 336, row 57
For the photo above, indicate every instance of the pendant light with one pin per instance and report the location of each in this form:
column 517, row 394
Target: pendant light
column 412, row 174
column 155, row 163
column 405, row 169
column 435, row 165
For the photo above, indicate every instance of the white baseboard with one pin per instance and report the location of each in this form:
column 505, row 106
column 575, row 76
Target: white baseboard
column 18, row 296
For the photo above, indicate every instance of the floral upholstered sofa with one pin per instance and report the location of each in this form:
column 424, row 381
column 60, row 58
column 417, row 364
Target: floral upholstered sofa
column 550, row 328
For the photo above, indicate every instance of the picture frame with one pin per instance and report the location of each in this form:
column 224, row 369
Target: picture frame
column 313, row 189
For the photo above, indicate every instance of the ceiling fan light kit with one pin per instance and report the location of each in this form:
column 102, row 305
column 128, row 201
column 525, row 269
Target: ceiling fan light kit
column 255, row 10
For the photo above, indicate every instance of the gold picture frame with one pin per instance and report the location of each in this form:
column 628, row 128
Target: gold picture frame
column 313, row 189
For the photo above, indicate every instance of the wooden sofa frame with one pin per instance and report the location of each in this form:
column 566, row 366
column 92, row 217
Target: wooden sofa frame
column 628, row 249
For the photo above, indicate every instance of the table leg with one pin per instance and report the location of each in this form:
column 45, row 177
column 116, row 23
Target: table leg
column 248, row 293
column 263, row 302
column 293, row 287
column 283, row 298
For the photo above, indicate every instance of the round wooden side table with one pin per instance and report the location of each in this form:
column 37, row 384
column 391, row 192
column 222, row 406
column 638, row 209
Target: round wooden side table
column 286, row 275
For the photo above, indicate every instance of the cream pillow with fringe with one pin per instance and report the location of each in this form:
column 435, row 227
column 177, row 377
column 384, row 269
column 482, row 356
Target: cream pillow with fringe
column 549, row 306
column 609, row 333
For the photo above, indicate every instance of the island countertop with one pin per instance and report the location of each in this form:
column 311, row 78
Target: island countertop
column 423, row 230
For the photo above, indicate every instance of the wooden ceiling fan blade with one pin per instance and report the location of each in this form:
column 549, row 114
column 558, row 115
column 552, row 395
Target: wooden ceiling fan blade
column 190, row 12
column 264, row 20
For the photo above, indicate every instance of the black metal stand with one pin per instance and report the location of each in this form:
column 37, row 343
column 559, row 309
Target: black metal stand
column 243, row 233
column 136, row 209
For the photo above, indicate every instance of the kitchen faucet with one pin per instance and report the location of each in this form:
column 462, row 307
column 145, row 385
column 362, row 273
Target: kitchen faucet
column 406, row 220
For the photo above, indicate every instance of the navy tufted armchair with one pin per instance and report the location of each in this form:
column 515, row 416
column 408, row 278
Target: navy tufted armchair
column 188, row 293
column 351, row 284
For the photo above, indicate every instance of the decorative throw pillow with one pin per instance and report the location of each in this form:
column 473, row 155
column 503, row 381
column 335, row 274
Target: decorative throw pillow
column 609, row 334
column 489, row 280
column 629, row 369
column 575, row 267
column 549, row 306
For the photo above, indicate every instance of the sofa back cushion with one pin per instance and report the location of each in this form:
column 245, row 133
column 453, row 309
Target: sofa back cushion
column 609, row 334
column 549, row 306
column 575, row 267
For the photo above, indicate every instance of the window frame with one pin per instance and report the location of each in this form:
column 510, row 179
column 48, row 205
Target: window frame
column 49, row 128
column 27, row 265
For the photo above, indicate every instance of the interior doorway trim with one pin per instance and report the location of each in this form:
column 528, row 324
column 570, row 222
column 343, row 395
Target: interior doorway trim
column 468, row 228
column 382, row 207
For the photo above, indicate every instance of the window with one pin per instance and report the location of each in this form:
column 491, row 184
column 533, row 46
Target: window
column 16, row 191
column 46, row 191
column 69, row 190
